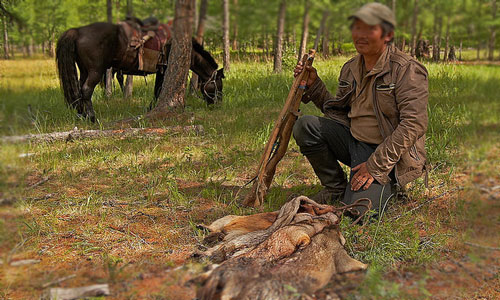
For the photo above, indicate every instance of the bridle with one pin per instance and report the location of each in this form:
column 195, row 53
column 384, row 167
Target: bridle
column 212, row 79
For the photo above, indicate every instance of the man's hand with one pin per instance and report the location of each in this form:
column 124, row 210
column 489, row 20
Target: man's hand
column 313, row 74
column 361, row 178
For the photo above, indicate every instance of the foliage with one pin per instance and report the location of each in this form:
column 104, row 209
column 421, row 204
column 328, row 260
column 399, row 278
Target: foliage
column 33, row 22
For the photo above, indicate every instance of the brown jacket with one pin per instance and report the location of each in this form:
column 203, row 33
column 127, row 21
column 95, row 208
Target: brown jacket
column 400, row 95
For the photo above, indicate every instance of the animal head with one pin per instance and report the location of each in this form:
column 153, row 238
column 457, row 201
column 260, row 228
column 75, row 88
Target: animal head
column 212, row 88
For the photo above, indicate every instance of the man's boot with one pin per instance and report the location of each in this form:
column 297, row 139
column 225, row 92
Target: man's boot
column 331, row 176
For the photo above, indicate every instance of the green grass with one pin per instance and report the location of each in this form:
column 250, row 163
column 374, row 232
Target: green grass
column 113, row 202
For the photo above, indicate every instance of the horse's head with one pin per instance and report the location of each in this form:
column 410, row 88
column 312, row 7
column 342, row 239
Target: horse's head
column 212, row 88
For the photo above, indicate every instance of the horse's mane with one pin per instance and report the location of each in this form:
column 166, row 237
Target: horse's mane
column 204, row 53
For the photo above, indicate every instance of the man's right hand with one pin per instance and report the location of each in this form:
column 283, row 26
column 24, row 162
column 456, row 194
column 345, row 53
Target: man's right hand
column 313, row 74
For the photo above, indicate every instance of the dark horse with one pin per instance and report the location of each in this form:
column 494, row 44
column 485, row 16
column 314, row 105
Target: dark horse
column 99, row 46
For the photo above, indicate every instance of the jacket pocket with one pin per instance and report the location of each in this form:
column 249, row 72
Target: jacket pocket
column 385, row 94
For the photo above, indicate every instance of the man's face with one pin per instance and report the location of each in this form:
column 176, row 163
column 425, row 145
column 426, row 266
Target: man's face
column 368, row 39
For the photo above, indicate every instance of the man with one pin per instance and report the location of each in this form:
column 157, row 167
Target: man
column 376, row 122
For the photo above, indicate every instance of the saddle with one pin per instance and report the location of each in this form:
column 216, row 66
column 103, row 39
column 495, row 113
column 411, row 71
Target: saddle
column 146, row 44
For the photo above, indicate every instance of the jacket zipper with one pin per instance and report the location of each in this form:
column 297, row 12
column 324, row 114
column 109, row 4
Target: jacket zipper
column 377, row 112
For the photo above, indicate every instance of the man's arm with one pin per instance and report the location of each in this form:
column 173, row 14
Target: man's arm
column 317, row 93
column 411, row 99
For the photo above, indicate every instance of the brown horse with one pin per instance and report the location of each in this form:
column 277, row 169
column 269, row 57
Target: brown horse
column 99, row 46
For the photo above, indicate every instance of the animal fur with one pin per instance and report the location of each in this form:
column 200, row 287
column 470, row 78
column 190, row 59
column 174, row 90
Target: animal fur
column 297, row 254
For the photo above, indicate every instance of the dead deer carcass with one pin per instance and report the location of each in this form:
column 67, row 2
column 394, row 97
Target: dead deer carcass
column 297, row 254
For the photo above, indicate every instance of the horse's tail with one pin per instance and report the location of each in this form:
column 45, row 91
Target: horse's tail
column 66, row 65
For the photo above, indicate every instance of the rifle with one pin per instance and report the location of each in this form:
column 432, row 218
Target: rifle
column 277, row 144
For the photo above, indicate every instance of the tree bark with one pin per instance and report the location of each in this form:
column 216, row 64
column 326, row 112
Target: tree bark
column 266, row 42
column 234, row 44
column 5, row 39
column 460, row 52
column 326, row 39
column 321, row 28
column 493, row 32
column 278, row 46
column 414, row 28
column 435, row 42
column 173, row 93
column 109, row 72
column 130, row 8
column 202, row 17
column 225, row 35
column 129, row 82
column 200, row 32
column 129, row 87
column 305, row 30
column 478, row 53
column 447, row 38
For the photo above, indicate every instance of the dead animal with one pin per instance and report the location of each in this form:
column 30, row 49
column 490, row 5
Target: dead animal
column 295, row 255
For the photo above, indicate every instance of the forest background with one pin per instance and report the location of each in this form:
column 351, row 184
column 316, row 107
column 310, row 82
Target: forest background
column 125, row 211
column 33, row 26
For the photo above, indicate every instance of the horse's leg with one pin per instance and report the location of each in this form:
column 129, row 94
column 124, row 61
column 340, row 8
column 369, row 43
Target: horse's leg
column 160, row 76
column 87, row 90
column 119, row 77
column 84, row 74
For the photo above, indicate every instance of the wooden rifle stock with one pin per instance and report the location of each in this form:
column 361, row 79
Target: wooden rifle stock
column 277, row 144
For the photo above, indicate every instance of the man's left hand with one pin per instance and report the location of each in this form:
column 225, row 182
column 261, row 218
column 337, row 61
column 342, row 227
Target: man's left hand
column 361, row 178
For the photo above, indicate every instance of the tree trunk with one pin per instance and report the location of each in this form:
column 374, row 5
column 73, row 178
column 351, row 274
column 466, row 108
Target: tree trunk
column 493, row 32
column 278, row 46
column 129, row 87
column 117, row 6
column 130, row 8
column 414, row 29
column 460, row 52
column 129, row 83
column 109, row 72
column 235, row 26
column 320, row 29
column 305, row 30
column 478, row 54
column 447, row 39
column 200, row 32
column 326, row 36
column 266, row 42
column 435, row 42
column 225, row 35
column 202, row 17
column 394, row 7
column 52, row 49
column 172, row 96
column 5, row 39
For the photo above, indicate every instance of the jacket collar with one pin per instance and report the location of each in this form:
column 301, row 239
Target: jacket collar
column 381, row 67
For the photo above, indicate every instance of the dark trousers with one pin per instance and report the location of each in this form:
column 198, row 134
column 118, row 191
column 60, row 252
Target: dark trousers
column 325, row 141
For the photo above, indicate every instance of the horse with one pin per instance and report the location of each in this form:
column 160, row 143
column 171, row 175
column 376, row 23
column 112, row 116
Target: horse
column 96, row 47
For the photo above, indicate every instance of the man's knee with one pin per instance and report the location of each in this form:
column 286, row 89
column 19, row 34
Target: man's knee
column 305, row 130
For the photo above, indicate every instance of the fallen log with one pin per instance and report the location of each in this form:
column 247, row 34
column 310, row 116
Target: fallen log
column 78, row 134
column 95, row 290
column 297, row 254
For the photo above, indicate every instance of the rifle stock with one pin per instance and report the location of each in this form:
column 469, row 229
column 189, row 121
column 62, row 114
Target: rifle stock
column 277, row 144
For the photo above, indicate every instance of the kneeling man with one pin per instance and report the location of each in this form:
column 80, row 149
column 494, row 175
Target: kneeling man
column 375, row 123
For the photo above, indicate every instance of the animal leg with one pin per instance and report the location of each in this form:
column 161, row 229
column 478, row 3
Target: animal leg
column 87, row 90
column 158, row 86
column 119, row 77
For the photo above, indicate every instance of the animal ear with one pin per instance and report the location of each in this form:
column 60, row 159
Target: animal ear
column 220, row 73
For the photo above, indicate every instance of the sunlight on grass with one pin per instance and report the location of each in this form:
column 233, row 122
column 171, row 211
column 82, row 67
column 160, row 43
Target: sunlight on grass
column 109, row 201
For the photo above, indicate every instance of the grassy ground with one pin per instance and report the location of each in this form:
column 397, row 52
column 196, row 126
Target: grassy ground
column 124, row 211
